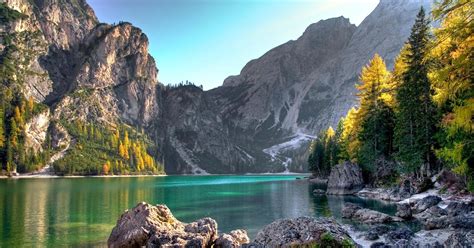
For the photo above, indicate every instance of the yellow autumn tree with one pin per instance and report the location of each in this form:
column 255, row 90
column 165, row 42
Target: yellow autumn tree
column 452, row 77
column 106, row 168
column 374, row 80
column 349, row 141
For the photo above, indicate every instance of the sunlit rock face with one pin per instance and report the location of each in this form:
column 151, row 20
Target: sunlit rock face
column 83, row 69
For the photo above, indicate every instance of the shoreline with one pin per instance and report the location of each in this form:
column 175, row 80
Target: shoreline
column 38, row 176
column 74, row 176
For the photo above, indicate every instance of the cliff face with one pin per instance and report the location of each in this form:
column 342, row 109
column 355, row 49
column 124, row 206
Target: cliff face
column 258, row 121
column 83, row 69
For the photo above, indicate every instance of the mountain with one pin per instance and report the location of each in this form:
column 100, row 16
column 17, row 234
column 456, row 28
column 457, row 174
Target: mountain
column 258, row 121
column 281, row 100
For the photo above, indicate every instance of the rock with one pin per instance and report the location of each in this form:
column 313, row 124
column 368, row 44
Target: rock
column 155, row 226
column 450, row 182
column 349, row 210
column 462, row 222
column 458, row 208
column 423, row 185
column 426, row 203
column 401, row 233
column 396, row 194
column 404, row 191
column 371, row 236
column 36, row 130
column 319, row 192
column 380, row 229
column 352, row 211
column 404, row 211
column 59, row 136
column 302, row 231
column 345, row 179
column 234, row 239
column 462, row 239
column 380, row 245
column 318, row 180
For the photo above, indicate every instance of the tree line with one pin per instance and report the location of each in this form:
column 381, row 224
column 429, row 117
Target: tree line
column 97, row 150
column 418, row 118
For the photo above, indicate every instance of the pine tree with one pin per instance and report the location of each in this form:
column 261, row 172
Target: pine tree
column 316, row 157
column 416, row 117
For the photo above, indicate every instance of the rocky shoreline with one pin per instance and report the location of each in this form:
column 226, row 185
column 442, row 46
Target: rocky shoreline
column 430, row 214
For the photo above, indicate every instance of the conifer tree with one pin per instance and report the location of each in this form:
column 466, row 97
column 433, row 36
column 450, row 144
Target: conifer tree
column 416, row 117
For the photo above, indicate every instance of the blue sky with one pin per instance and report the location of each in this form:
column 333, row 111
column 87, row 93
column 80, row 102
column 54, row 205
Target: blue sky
column 204, row 41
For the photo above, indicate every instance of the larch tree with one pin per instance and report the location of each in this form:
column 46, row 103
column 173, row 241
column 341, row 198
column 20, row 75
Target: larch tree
column 453, row 77
column 376, row 117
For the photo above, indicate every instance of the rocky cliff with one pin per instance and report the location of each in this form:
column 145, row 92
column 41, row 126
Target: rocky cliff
column 257, row 121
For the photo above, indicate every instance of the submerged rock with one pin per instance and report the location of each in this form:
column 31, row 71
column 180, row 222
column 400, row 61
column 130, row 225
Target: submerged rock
column 355, row 212
column 302, row 231
column 345, row 179
column 319, row 192
column 155, row 226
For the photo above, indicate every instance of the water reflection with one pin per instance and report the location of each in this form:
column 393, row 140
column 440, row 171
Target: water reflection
column 72, row 212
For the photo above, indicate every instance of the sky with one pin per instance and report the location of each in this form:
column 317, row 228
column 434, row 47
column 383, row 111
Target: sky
column 205, row 41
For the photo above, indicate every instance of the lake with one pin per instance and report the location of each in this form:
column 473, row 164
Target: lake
column 82, row 211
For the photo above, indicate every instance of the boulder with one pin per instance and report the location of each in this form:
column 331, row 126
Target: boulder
column 345, row 179
column 401, row 233
column 459, row 208
column 404, row 211
column 426, row 203
column 352, row 211
column 462, row 239
column 380, row 245
column 302, row 232
column 377, row 231
column 234, row 239
column 155, row 226
column 403, row 191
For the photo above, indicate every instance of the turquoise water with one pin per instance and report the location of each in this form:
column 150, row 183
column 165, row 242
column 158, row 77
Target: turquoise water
column 82, row 211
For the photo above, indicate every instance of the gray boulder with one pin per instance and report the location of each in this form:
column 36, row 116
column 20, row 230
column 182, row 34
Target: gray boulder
column 155, row 226
column 462, row 239
column 404, row 211
column 426, row 203
column 345, row 179
column 302, row 232
column 234, row 239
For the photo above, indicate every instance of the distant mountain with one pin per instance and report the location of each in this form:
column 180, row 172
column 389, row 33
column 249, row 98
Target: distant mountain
column 280, row 100
column 258, row 121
